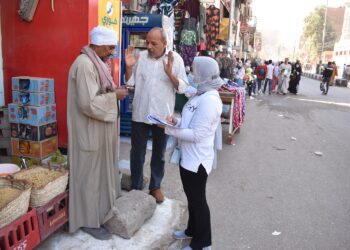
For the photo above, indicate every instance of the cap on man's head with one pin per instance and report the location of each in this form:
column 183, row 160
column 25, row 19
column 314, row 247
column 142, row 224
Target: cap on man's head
column 101, row 35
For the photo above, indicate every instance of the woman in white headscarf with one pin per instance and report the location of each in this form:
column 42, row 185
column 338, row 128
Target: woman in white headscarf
column 196, row 132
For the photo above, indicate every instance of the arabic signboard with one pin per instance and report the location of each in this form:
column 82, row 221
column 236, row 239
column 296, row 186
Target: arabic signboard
column 109, row 15
column 142, row 21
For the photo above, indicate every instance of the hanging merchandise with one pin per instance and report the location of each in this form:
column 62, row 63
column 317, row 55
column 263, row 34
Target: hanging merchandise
column 188, row 53
column 212, row 27
column 202, row 24
column 188, row 46
column 190, row 24
column 167, row 6
column 192, row 7
column 188, row 37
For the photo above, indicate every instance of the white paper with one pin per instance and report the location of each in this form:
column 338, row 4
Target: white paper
column 158, row 121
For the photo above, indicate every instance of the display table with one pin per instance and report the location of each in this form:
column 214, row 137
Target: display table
column 229, row 98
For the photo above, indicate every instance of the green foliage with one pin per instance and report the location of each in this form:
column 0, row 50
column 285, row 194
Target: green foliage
column 58, row 158
column 313, row 33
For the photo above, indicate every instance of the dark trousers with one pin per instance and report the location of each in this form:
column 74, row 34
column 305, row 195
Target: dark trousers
column 139, row 136
column 198, row 226
column 268, row 82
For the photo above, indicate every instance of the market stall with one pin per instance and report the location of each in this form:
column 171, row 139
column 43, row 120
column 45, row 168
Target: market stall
column 233, row 96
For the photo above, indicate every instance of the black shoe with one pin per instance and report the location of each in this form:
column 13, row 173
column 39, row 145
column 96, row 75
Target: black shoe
column 98, row 233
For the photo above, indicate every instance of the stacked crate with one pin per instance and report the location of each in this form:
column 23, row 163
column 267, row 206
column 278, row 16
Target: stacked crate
column 5, row 143
column 32, row 117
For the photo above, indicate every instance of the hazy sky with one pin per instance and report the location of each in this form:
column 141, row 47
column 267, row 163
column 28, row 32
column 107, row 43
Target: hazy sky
column 284, row 18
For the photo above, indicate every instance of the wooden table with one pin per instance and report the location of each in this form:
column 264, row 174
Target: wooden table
column 229, row 98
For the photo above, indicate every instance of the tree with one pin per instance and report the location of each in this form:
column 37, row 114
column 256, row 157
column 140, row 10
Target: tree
column 313, row 33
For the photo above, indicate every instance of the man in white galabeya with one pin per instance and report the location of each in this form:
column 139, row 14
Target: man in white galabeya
column 92, row 112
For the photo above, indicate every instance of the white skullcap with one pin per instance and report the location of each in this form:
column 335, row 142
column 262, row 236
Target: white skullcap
column 101, row 35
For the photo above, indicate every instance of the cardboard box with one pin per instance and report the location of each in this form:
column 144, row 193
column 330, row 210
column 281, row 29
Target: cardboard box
column 32, row 98
column 33, row 133
column 31, row 114
column 33, row 149
column 32, row 84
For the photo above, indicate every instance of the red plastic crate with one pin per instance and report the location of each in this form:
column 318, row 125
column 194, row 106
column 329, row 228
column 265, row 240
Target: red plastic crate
column 22, row 234
column 53, row 215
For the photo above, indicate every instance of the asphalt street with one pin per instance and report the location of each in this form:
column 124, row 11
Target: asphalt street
column 270, row 190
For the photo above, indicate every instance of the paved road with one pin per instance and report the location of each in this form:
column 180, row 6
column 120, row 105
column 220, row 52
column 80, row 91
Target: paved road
column 269, row 182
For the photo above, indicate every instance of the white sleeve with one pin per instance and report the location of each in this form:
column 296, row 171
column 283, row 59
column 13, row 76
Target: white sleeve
column 203, row 122
column 180, row 73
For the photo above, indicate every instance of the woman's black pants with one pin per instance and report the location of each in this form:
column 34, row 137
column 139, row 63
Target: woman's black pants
column 198, row 226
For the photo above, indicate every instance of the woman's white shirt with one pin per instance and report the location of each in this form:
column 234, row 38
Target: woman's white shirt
column 196, row 132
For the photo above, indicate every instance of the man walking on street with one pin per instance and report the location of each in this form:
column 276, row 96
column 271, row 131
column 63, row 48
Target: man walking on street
column 285, row 69
column 94, row 183
column 327, row 75
column 157, row 75
column 260, row 73
column 269, row 76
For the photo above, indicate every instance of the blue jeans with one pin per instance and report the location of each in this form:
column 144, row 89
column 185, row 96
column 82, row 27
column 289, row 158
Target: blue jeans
column 239, row 82
column 139, row 136
column 268, row 81
column 259, row 84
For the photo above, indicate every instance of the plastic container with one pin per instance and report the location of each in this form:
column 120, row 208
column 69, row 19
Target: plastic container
column 23, row 233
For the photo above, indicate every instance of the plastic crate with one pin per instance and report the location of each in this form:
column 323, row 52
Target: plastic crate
column 53, row 215
column 23, row 233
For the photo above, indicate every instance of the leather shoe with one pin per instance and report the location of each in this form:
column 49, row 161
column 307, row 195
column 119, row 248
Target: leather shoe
column 158, row 195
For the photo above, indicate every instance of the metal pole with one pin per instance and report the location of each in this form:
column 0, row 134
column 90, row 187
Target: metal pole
column 324, row 29
column 230, row 31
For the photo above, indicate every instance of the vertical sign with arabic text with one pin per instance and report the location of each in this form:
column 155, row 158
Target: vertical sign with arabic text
column 109, row 15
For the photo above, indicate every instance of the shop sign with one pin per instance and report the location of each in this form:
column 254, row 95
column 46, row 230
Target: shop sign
column 142, row 20
column 109, row 15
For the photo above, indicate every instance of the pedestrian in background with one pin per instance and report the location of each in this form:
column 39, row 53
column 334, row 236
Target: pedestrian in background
column 196, row 133
column 286, row 70
column 334, row 74
column 275, row 76
column 157, row 75
column 260, row 73
column 327, row 75
column 94, row 183
column 239, row 73
column 269, row 76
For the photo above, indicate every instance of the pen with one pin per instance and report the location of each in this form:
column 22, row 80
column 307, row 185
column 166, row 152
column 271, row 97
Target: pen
column 167, row 104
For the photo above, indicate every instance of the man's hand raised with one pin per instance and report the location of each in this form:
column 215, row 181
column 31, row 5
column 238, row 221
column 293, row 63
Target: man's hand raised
column 168, row 67
column 130, row 58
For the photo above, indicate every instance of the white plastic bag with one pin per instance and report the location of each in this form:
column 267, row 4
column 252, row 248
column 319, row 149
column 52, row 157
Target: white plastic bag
column 175, row 156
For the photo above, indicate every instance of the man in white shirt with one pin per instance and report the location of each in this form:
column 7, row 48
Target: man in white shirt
column 157, row 75
column 269, row 76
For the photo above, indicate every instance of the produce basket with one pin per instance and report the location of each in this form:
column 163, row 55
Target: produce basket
column 13, row 207
column 47, row 183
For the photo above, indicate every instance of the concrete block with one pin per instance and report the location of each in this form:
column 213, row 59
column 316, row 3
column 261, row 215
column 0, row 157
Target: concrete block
column 130, row 213
column 126, row 180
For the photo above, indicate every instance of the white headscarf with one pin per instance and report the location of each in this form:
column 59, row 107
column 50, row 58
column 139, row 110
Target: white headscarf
column 101, row 35
column 206, row 74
